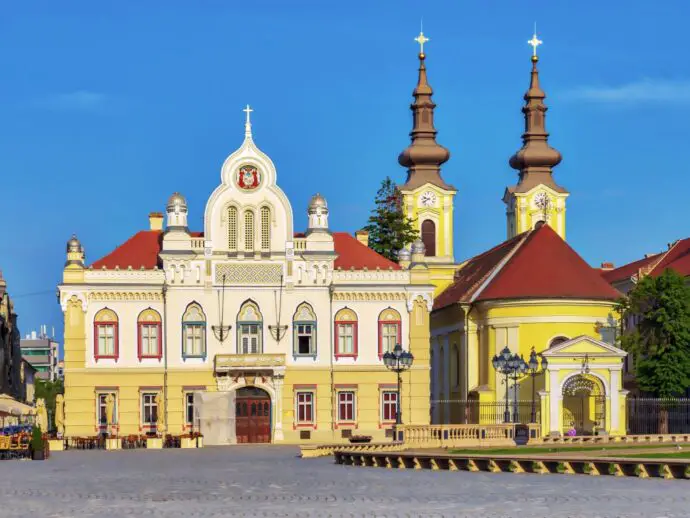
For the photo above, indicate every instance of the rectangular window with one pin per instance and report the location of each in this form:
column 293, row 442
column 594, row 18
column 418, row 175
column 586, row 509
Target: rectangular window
column 346, row 406
column 194, row 337
column 102, row 416
column 305, row 338
column 150, row 336
column 389, row 406
column 389, row 337
column 346, row 338
column 189, row 409
column 106, row 339
column 149, row 409
column 250, row 339
column 248, row 231
column 232, row 229
column 305, row 407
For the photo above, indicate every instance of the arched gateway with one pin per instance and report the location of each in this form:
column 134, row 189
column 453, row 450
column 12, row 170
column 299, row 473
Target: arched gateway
column 584, row 405
column 252, row 415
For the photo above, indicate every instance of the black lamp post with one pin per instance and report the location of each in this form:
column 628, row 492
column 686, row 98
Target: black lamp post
column 512, row 367
column 535, row 370
column 398, row 361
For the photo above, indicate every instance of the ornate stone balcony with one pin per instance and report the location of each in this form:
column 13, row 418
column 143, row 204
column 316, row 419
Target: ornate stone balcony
column 224, row 363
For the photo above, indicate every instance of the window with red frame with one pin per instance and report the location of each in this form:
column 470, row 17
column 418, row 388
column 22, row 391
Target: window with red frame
column 389, row 405
column 105, row 334
column 150, row 336
column 305, row 407
column 345, row 333
column 346, row 406
column 390, row 331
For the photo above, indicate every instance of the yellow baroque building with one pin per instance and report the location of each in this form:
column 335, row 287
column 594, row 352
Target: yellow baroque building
column 532, row 292
column 247, row 331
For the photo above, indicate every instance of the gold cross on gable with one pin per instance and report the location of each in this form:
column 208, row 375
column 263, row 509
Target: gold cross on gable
column 421, row 39
column 534, row 42
column 247, row 110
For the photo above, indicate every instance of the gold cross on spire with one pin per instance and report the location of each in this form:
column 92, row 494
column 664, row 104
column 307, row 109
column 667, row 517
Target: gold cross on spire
column 421, row 39
column 534, row 42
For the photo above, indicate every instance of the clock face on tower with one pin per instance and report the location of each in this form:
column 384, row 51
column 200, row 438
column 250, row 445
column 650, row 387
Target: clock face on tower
column 427, row 199
column 542, row 201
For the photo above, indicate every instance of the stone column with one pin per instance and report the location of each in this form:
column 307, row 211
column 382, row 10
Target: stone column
column 555, row 403
column 278, row 379
column 612, row 393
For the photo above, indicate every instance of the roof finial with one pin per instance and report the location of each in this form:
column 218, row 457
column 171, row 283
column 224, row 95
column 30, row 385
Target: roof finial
column 248, row 123
column 534, row 42
column 421, row 39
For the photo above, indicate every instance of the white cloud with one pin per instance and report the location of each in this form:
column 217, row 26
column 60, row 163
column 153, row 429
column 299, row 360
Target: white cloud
column 79, row 100
column 643, row 91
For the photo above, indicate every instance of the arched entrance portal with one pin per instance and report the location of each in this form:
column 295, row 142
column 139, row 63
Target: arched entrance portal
column 252, row 415
column 584, row 405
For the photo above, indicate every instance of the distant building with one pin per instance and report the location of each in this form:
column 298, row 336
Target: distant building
column 41, row 351
column 11, row 382
column 28, row 376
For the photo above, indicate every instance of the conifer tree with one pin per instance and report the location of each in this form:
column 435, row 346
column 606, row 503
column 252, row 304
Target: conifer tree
column 389, row 228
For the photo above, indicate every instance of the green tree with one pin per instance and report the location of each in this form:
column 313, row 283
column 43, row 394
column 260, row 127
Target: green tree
column 389, row 228
column 48, row 390
column 660, row 342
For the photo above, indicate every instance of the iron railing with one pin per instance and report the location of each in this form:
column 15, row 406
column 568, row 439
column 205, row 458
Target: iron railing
column 658, row 416
column 460, row 411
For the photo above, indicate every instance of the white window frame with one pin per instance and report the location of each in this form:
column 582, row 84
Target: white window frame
column 101, row 418
column 151, row 404
column 312, row 404
column 352, row 403
column 393, row 402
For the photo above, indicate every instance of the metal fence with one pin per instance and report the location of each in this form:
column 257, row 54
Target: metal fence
column 657, row 416
column 459, row 411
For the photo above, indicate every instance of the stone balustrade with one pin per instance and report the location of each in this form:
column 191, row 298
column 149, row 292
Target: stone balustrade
column 457, row 435
column 324, row 450
column 606, row 439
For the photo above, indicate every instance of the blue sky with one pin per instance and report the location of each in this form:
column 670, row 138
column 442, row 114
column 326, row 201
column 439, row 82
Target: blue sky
column 106, row 108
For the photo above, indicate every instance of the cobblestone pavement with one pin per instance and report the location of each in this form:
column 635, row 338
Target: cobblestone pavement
column 272, row 481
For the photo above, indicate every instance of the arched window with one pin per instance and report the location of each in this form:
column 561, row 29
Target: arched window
column 390, row 332
column 105, row 335
column 232, row 229
column 304, row 329
column 429, row 236
column 558, row 340
column 248, row 231
column 346, row 333
column 194, row 332
column 455, row 366
column 149, row 336
column 249, row 329
column 265, row 229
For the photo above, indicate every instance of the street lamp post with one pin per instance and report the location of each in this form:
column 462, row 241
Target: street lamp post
column 534, row 369
column 512, row 367
column 398, row 361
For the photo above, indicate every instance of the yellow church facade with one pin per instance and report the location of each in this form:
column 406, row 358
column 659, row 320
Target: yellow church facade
column 532, row 292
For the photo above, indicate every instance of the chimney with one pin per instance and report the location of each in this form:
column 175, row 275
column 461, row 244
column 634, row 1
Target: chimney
column 607, row 266
column 363, row 237
column 156, row 220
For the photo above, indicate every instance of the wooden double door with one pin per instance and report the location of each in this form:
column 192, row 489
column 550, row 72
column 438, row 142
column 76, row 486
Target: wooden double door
column 252, row 416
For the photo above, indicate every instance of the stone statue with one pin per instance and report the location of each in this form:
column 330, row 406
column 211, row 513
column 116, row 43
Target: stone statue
column 60, row 414
column 41, row 415
column 109, row 410
column 160, row 416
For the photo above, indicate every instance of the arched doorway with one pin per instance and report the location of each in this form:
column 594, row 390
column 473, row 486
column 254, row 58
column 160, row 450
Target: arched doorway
column 584, row 405
column 252, row 415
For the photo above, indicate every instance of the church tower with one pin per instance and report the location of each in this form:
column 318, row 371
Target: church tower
column 536, row 197
column 427, row 199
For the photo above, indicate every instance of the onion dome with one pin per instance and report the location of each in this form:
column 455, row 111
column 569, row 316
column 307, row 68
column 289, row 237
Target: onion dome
column 73, row 245
column 404, row 254
column 317, row 201
column 177, row 203
column 424, row 156
column 418, row 247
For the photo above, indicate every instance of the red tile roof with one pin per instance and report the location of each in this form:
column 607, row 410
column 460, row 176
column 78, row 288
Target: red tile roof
column 141, row 250
column 535, row 264
column 677, row 258
column 475, row 271
column 628, row 270
column 353, row 254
